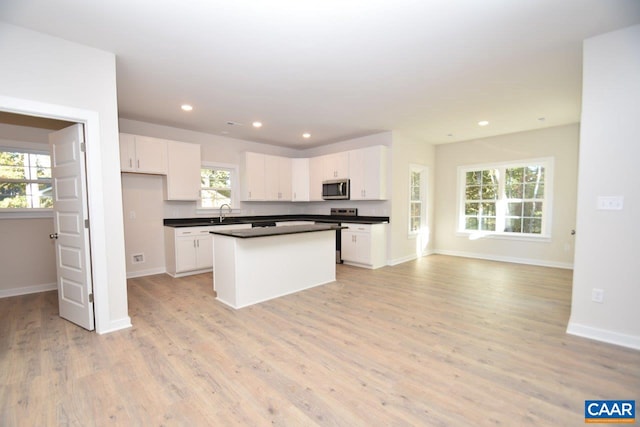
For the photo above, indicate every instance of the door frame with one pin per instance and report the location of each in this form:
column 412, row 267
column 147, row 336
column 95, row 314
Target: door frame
column 97, row 244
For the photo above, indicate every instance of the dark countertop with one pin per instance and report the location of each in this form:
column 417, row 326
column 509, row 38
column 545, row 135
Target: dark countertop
column 247, row 233
column 200, row 222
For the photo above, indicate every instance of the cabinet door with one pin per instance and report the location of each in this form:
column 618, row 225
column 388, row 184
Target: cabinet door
column 186, row 254
column 300, row 180
column 336, row 165
column 254, row 185
column 316, row 176
column 204, row 255
column 284, row 179
column 183, row 171
column 127, row 152
column 348, row 249
column 356, row 174
column 151, row 155
column 271, row 178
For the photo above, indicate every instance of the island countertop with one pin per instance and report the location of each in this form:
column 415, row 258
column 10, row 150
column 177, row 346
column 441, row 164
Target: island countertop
column 276, row 231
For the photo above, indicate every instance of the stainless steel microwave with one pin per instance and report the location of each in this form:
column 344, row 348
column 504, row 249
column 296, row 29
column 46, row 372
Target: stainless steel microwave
column 337, row 189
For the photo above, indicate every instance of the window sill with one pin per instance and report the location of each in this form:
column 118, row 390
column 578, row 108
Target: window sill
column 25, row 213
column 479, row 235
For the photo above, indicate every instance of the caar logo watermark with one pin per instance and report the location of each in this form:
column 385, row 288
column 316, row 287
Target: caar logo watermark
column 610, row 411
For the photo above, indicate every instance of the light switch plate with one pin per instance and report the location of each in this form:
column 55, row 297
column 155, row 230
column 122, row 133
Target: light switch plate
column 610, row 203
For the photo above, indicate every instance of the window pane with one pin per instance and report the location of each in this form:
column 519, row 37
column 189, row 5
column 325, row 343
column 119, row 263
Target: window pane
column 473, row 193
column 415, row 193
column 415, row 223
column 473, row 178
column 13, row 172
column 532, row 225
column 489, row 192
column 534, row 174
column 13, row 195
column 472, row 208
column 489, row 209
column 415, row 179
column 490, row 176
column 471, row 223
column 532, row 209
column 514, row 209
column 488, row 224
column 514, row 175
column 534, row 191
column 514, row 191
column 513, row 225
column 415, row 208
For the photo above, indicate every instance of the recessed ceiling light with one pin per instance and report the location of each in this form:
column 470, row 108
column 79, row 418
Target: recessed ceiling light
column 306, row 135
column 186, row 107
column 257, row 124
column 483, row 123
column 449, row 134
column 541, row 119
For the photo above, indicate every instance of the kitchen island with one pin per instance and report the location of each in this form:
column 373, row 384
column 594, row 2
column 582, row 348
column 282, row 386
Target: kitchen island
column 259, row 264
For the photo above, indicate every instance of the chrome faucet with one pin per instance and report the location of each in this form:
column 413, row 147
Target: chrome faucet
column 221, row 214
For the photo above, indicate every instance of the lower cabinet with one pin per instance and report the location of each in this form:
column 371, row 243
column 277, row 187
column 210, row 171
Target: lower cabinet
column 189, row 250
column 364, row 245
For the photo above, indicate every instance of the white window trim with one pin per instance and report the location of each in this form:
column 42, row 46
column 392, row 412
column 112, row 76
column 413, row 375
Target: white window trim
column 422, row 169
column 235, row 187
column 20, row 213
column 545, row 236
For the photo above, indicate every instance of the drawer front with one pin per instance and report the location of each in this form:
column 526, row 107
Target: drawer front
column 192, row 231
column 362, row 228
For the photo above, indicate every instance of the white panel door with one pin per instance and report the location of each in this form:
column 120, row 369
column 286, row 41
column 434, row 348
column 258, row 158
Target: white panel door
column 75, row 299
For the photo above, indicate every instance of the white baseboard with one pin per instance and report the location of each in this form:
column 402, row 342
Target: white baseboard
column 611, row 337
column 407, row 258
column 25, row 290
column 142, row 273
column 529, row 261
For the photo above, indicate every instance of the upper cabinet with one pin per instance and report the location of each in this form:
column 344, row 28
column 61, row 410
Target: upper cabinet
column 335, row 166
column 142, row 154
column 277, row 178
column 368, row 173
column 300, row 180
column 316, row 176
column 183, row 171
column 253, row 185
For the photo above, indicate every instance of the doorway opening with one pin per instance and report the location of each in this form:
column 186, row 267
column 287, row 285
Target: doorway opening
column 63, row 263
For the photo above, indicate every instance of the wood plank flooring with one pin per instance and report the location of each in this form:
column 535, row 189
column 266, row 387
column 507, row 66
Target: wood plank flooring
column 441, row 341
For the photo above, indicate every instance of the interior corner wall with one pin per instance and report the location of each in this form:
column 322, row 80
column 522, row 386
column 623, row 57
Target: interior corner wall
column 608, row 241
column 561, row 143
column 406, row 151
column 53, row 77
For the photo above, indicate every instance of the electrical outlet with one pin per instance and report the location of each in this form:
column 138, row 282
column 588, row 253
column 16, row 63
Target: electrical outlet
column 610, row 203
column 137, row 258
column 597, row 295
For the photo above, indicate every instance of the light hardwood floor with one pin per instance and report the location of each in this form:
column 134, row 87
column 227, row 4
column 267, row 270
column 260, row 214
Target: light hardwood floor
column 440, row 341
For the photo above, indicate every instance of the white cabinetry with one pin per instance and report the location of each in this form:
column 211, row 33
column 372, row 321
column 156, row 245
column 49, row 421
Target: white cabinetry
column 335, row 165
column 364, row 245
column 189, row 250
column 316, row 176
column 183, row 171
column 142, row 154
column 277, row 178
column 368, row 173
column 253, row 185
column 300, row 180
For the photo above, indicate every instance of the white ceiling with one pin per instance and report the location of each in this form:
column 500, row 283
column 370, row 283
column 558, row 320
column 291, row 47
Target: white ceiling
column 339, row 68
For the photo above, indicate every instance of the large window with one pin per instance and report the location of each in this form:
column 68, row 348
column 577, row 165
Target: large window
column 218, row 185
column 509, row 199
column 25, row 180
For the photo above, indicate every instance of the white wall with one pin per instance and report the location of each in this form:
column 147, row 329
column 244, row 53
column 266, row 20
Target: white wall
column 608, row 242
column 407, row 150
column 52, row 77
column 561, row 143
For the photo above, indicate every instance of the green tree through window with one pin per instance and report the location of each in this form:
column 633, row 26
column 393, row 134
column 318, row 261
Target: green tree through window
column 216, row 187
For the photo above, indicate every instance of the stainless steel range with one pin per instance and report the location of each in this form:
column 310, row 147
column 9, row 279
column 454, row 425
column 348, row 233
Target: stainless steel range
column 341, row 212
